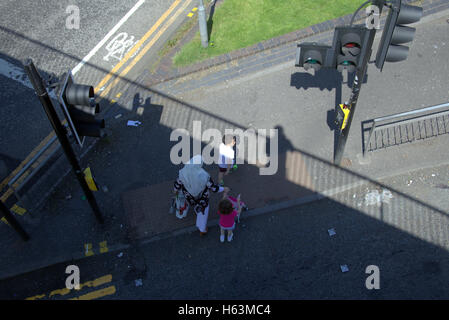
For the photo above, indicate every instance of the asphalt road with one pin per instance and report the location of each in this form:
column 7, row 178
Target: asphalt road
column 38, row 30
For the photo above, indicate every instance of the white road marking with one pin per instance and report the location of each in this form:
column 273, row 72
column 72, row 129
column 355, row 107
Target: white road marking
column 120, row 45
column 106, row 38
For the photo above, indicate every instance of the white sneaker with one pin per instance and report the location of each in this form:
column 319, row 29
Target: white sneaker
column 222, row 238
column 230, row 237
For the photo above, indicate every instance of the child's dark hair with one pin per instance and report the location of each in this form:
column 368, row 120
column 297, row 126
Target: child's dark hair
column 225, row 206
column 228, row 138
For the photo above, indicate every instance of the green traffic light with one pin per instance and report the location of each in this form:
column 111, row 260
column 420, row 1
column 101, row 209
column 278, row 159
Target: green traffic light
column 313, row 61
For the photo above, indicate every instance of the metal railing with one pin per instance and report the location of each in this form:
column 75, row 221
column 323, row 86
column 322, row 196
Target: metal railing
column 413, row 122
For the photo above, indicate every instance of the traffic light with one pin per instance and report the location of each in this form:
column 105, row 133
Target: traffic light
column 79, row 107
column 312, row 55
column 395, row 33
column 350, row 47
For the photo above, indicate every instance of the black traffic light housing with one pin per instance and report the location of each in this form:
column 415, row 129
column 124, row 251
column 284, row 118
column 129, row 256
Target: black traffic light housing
column 79, row 107
column 313, row 55
column 395, row 34
column 350, row 46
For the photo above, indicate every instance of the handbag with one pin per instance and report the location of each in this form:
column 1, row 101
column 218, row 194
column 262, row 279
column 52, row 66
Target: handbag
column 181, row 205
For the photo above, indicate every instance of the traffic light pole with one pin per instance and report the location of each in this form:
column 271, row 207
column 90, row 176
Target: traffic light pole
column 60, row 131
column 356, row 86
column 13, row 222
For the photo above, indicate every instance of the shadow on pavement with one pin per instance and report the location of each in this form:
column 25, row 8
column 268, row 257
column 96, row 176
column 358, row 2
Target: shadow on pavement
column 134, row 163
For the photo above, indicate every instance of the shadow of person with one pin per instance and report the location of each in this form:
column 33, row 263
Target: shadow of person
column 152, row 111
column 137, row 102
column 284, row 143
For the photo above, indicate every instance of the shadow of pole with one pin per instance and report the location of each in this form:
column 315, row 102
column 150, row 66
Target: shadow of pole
column 210, row 21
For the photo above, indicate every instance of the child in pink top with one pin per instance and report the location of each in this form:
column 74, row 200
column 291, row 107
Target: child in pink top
column 227, row 216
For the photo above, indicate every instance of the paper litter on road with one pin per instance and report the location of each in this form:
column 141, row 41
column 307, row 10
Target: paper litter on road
column 138, row 282
column 118, row 116
column 120, row 255
column 134, row 123
column 331, row 232
column 344, row 268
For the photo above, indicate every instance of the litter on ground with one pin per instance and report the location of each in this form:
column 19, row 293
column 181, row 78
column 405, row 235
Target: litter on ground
column 134, row 123
column 376, row 198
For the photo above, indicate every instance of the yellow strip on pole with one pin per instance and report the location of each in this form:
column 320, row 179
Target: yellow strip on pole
column 90, row 179
column 344, row 110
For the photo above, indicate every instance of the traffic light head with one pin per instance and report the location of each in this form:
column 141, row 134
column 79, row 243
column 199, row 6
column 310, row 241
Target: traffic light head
column 79, row 107
column 79, row 94
column 395, row 33
column 311, row 55
column 350, row 47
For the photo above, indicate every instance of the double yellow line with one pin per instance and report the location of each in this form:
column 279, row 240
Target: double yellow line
column 139, row 44
column 114, row 73
column 88, row 296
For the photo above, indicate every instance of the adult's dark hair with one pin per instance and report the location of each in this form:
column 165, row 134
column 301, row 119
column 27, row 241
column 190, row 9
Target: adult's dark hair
column 225, row 206
column 227, row 138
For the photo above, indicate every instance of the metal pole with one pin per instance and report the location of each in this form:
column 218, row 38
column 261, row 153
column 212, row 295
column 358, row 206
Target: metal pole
column 360, row 75
column 203, row 25
column 13, row 222
column 357, row 85
column 60, row 131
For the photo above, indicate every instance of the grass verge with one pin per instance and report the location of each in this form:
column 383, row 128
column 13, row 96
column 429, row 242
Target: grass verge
column 238, row 24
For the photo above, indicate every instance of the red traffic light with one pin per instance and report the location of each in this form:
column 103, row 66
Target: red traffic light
column 349, row 47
